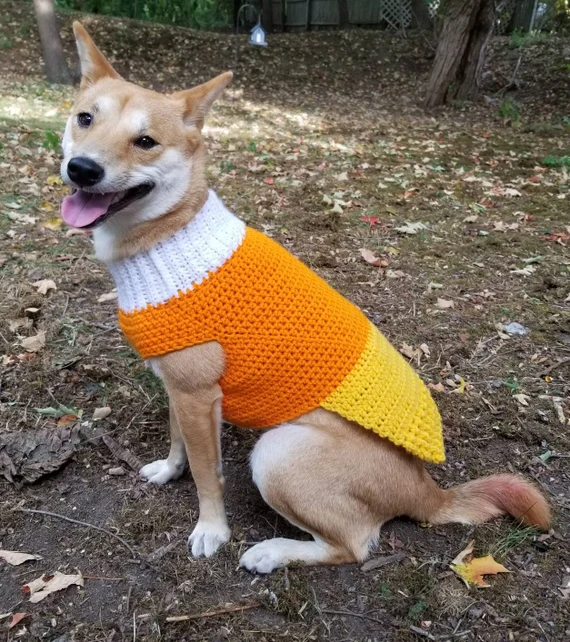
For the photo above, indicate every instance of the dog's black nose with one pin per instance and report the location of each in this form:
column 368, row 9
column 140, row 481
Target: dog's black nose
column 84, row 172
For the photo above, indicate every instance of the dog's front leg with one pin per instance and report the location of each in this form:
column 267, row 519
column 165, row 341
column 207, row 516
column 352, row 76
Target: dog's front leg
column 162, row 471
column 199, row 418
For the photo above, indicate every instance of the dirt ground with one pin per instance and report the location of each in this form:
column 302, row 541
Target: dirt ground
column 322, row 144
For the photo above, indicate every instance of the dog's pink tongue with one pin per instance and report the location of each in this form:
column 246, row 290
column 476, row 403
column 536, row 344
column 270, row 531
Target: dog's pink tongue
column 83, row 208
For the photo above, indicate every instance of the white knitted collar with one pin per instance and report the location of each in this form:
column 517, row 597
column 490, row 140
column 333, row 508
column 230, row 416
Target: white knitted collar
column 180, row 262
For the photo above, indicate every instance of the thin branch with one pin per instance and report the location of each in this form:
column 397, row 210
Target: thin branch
column 236, row 608
column 75, row 521
column 362, row 616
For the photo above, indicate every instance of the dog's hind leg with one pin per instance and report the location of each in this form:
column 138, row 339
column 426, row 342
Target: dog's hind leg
column 298, row 476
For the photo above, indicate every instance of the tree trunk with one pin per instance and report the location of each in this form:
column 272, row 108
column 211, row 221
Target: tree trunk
column 420, row 15
column 52, row 48
column 460, row 55
column 343, row 15
column 267, row 15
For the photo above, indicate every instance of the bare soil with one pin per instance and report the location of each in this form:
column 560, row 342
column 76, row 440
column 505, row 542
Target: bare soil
column 322, row 144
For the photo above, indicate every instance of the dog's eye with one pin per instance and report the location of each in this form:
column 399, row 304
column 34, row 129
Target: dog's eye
column 145, row 142
column 84, row 119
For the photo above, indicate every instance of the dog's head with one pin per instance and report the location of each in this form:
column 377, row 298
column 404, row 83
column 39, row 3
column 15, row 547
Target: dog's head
column 129, row 151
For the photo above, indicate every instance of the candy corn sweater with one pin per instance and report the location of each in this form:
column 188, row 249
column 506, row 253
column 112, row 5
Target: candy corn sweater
column 292, row 343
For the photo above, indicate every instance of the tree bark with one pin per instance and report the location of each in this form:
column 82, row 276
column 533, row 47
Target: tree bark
column 420, row 15
column 460, row 55
column 55, row 63
column 343, row 15
column 267, row 15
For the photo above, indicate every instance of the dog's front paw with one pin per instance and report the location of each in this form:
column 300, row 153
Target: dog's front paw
column 160, row 472
column 207, row 537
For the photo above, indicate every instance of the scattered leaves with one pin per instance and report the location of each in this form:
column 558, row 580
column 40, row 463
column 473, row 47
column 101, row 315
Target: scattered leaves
column 43, row 586
column 472, row 569
column 15, row 558
column 44, row 286
column 35, row 343
column 370, row 257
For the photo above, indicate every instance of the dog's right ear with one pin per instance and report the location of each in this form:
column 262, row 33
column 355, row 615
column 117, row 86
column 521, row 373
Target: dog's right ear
column 94, row 65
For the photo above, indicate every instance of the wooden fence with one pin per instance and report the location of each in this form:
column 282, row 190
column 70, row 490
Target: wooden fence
column 301, row 15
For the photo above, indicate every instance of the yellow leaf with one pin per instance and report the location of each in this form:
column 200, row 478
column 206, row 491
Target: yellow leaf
column 46, row 206
column 54, row 224
column 461, row 388
column 472, row 572
column 54, row 179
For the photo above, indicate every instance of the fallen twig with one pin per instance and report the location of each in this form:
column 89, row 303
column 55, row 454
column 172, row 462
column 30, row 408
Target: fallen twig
column 122, row 453
column 422, row 632
column 162, row 551
column 362, row 616
column 235, row 608
column 556, row 365
column 75, row 521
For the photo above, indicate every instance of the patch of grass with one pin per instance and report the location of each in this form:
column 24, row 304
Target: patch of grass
column 6, row 43
column 509, row 109
column 513, row 538
column 524, row 38
column 556, row 161
column 51, row 140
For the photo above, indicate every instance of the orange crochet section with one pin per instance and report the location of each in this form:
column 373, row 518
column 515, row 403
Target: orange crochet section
column 289, row 338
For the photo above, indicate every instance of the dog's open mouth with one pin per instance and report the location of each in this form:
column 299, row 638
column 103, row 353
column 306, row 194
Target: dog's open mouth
column 88, row 209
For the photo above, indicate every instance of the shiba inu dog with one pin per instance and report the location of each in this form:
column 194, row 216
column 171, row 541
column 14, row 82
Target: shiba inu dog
column 240, row 330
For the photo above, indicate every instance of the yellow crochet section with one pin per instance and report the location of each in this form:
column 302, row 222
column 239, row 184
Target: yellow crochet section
column 384, row 394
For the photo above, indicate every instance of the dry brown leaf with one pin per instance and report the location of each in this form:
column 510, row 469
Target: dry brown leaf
column 16, row 619
column 371, row 258
column 35, row 343
column 445, row 304
column 110, row 296
column 438, row 387
column 47, row 584
column 44, row 286
column 101, row 413
column 15, row 558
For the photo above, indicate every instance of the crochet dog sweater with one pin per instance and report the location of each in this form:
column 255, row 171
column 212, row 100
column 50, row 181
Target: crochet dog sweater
column 292, row 343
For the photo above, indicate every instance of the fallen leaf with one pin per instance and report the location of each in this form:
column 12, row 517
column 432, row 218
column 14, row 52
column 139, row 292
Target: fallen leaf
column 522, row 399
column 110, row 296
column 101, row 413
column 411, row 228
column 44, row 286
column 525, row 271
column 54, row 224
column 35, row 343
column 47, row 584
column 341, row 177
column 370, row 257
column 445, row 304
column 471, row 570
column 438, row 387
column 461, row 387
column 16, row 619
column 371, row 220
column 15, row 558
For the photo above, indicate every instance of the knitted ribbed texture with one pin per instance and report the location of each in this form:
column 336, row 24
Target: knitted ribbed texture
column 292, row 343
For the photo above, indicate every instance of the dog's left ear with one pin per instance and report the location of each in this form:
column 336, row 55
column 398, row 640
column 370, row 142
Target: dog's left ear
column 199, row 100
column 94, row 65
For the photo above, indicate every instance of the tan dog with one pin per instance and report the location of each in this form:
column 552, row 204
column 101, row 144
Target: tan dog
column 137, row 160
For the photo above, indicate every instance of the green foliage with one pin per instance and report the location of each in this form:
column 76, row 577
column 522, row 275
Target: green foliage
column 509, row 109
column 6, row 43
column 51, row 140
column 556, row 161
column 198, row 14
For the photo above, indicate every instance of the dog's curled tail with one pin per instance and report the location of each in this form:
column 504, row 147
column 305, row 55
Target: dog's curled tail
column 478, row 501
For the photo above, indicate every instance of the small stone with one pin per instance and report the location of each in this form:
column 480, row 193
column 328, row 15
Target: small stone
column 119, row 471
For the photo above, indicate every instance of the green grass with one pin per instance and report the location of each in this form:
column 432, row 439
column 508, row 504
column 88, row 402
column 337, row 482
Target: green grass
column 556, row 161
column 512, row 539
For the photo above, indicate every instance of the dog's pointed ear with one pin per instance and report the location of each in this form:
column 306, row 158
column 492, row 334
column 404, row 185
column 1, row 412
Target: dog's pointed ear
column 94, row 65
column 200, row 99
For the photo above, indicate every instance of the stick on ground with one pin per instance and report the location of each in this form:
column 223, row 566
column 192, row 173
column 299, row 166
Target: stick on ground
column 228, row 609
column 75, row 521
